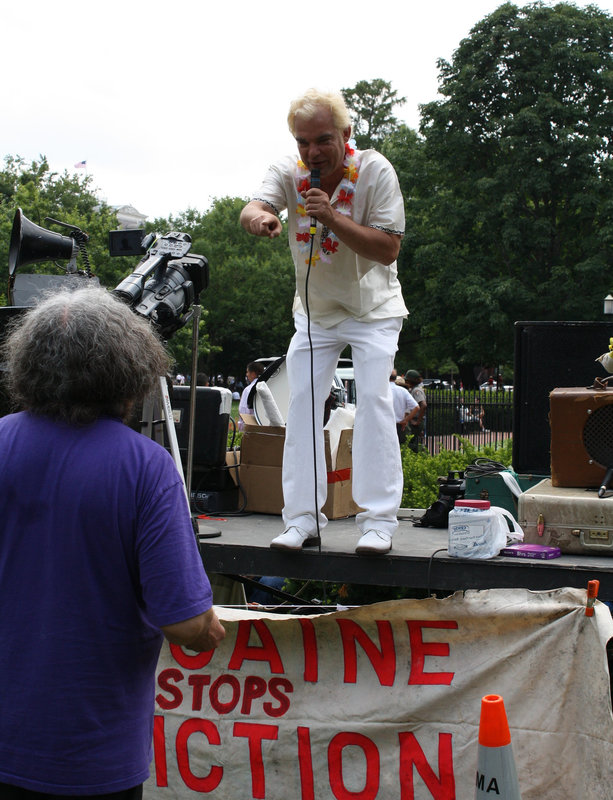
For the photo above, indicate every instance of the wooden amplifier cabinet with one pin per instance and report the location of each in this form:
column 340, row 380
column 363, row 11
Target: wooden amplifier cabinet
column 581, row 436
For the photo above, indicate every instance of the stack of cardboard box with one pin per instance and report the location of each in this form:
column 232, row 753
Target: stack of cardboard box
column 261, row 461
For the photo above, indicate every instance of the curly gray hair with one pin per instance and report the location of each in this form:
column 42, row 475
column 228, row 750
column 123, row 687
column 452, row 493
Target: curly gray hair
column 79, row 355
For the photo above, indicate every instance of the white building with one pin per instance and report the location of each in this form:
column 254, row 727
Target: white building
column 129, row 217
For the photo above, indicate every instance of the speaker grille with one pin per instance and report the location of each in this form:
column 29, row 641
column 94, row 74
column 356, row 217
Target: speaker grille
column 598, row 436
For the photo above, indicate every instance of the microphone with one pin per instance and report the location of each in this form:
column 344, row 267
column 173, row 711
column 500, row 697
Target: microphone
column 605, row 482
column 315, row 184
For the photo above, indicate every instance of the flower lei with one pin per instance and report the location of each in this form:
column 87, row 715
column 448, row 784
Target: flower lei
column 328, row 241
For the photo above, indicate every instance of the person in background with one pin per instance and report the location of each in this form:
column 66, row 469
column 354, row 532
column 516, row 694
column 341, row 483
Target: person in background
column 405, row 406
column 98, row 563
column 471, row 413
column 345, row 231
column 416, row 426
column 252, row 373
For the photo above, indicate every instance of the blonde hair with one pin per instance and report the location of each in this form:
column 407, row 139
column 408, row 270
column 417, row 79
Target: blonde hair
column 311, row 101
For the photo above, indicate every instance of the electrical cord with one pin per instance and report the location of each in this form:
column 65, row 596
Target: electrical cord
column 286, row 597
column 483, row 466
column 312, row 375
column 81, row 239
column 430, row 560
column 234, row 431
column 312, row 232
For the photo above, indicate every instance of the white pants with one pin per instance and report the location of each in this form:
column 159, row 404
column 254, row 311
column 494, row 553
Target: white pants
column 377, row 469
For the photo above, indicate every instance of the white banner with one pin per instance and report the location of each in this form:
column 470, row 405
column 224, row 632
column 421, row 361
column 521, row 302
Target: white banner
column 383, row 702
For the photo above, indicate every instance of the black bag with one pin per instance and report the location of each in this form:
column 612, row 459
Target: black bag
column 449, row 489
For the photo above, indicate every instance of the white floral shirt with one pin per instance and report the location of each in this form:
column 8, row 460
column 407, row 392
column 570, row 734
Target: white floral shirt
column 346, row 285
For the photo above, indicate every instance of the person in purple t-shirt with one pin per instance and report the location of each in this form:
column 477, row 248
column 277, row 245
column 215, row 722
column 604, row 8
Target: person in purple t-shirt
column 98, row 559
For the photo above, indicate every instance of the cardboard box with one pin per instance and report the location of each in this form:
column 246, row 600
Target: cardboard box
column 260, row 472
column 233, row 461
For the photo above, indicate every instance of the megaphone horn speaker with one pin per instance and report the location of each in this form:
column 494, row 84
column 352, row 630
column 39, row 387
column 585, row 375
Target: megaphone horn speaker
column 30, row 243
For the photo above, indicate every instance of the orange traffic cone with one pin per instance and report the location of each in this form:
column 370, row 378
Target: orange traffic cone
column 496, row 774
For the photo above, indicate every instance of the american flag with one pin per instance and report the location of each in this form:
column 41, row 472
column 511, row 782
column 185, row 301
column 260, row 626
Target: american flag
column 80, row 164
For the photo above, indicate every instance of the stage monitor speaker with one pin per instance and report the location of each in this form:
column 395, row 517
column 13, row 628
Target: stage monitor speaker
column 581, row 436
column 211, row 423
column 213, row 407
column 549, row 355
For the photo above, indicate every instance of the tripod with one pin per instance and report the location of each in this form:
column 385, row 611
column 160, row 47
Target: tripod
column 157, row 408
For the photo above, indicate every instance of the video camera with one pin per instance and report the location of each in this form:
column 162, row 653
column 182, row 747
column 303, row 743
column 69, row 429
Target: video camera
column 163, row 287
column 166, row 282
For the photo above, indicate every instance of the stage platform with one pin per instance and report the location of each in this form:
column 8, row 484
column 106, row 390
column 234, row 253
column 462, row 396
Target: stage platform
column 418, row 559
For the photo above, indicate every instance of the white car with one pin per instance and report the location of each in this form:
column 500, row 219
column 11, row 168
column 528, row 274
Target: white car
column 343, row 387
column 494, row 387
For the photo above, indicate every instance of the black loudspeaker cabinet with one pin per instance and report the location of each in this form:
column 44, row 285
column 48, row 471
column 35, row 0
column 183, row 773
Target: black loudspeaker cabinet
column 213, row 408
column 31, row 287
column 211, row 423
column 548, row 356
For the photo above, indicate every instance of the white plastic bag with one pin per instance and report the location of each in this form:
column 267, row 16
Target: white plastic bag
column 481, row 533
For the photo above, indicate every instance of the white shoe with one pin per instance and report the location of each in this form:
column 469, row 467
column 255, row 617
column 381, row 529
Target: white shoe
column 374, row 542
column 295, row 539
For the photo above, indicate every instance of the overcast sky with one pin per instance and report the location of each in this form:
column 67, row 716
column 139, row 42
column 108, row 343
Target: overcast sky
column 173, row 104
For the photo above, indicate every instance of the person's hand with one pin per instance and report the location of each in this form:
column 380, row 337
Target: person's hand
column 317, row 204
column 214, row 634
column 203, row 632
column 265, row 224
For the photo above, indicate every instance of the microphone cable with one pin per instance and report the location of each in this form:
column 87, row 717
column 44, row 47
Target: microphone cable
column 315, row 184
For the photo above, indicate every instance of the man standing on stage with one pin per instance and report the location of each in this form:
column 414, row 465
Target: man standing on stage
column 347, row 293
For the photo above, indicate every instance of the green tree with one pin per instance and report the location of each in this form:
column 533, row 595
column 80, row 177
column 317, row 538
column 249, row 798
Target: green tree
column 419, row 341
column 246, row 310
column 371, row 104
column 180, row 345
column 520, row 209
column 249, row 298
column 41, row 193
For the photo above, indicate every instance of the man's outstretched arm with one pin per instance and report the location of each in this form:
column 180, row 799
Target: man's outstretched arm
column 257, row 219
